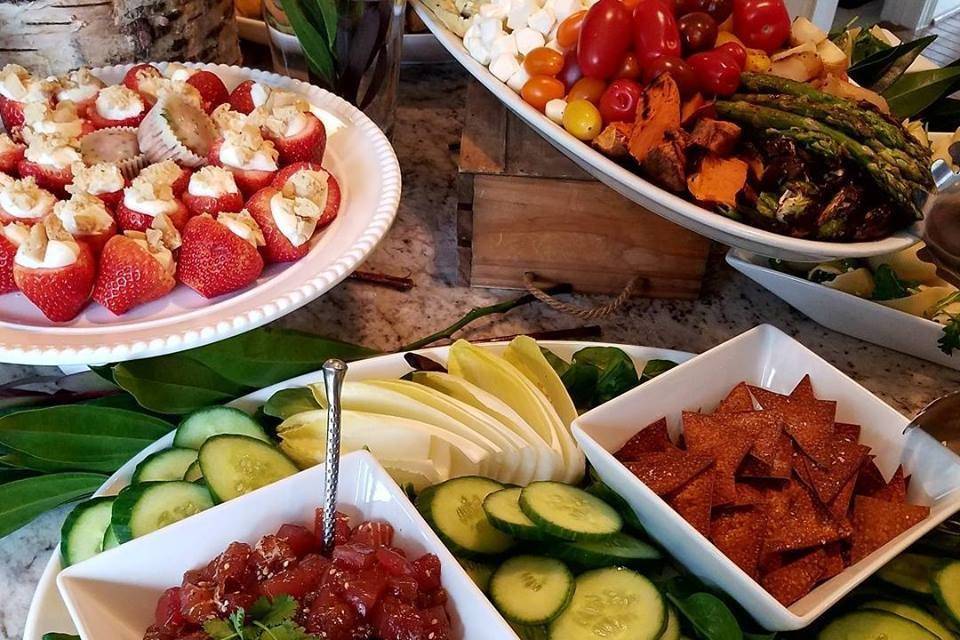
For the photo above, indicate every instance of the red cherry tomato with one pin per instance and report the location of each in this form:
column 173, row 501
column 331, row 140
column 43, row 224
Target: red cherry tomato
column 589, row 89
column 544, row 61
column 761, row 24
column 655, row 31
column 719, row 10
column 569, row 30
column 698, row 32
column 682, row 73
column 619, row 102
column 717, row 72
column 630, row 68
column 571, row 70
column 735, row 51
column 604, row 39
column 539, row 90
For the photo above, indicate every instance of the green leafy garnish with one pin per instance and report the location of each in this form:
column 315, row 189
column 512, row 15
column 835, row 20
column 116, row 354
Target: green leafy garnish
column 653, row 368
column 889, row 286
column 950, row 339
column 266, row 620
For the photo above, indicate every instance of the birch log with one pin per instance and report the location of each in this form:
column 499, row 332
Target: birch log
column 54, row 36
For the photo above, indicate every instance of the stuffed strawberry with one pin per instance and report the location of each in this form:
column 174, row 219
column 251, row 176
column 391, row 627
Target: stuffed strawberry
column 103, row 180
column 212, row 190
column 298, row 136
column 143, row 200
column 117, row 106
column 24, row 201
column 138, row 73
column 54, row 271
column 136, row 268
column 212, row 90
column 287, row 223
column 214, row 259
column 306, row 179
column 170, row 173
column 87, row 219
column 11, row 153
column 49, row 160
column 11, row 237
column 248, row 95
column 251, row 159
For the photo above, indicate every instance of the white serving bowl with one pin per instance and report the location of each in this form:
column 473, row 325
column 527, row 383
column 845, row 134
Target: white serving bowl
column 112, row 596
column 769, row 358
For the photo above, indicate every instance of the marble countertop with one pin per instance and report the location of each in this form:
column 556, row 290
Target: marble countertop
column 422, row 245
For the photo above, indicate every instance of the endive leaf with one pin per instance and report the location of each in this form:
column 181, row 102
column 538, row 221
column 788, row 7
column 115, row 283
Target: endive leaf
column 23, row 500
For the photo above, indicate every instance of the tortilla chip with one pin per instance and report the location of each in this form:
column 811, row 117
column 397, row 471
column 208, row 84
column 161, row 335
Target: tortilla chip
column 650, row 439
column 782, row 462
column 809, row 422
column 796, row 520
column 846, row 458
column 870, row 479
column 839, row 507
column 738, row 534
column 796, row 579
column 737, row 400
column 705, row 435
column 834, row 563
column 847, row 431
column 895, row 490
column 667, row 471
column 877, row 522
column 748, row 494
column 693, row 502
column 803, row 390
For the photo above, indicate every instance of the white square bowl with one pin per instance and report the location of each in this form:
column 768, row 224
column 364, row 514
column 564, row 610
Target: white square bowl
column 768, row 358
column 112, row 596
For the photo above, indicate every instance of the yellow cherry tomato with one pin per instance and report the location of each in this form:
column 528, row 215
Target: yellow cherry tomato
column 543, row 61
column 539, row 90
column 582, row 119
column 589, row 89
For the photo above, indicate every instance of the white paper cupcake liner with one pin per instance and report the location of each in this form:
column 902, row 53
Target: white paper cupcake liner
column 129, row 165
column 159, row 142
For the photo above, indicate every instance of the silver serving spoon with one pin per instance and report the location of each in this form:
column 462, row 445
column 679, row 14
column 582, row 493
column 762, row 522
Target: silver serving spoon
column 941, row 419
column 333, row 374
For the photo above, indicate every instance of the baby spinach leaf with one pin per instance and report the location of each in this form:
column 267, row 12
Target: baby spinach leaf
column 175, row 384
column 709, row 616
column 23, row 500
column 289, row 402
column 581, row 382
column 653, row 368
column 559, row 364
column 617, row 373
column 59, row 636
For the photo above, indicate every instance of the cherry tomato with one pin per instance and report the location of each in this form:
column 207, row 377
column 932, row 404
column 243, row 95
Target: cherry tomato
column 719, row 10
column 604, row 39
column 619, row 102
column 735, row 51
column 682, row 73
column 632, row 4
column 698, row 32
column 630, row 68
column 717, row 72
column 569, row 30
column 539, row 90
column 655, row 31
column 571, row 70
column 543, row 61
column 582, row 119
column 589, row 89
column 761, row 24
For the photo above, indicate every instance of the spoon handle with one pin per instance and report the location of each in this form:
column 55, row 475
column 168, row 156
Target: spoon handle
column 333, row 374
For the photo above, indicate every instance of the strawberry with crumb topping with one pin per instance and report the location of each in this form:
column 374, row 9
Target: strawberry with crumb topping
column 11, row 154
column 242, row 98
column 212, row 190
column 215, row 260
column 307, row 188
column 251, row 159
column 212, row 90
column 138, row 72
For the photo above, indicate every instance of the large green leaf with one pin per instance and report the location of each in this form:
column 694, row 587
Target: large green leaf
column 914, row 92
column 323, row 15
column 265, row 356
column 23, row 500
column 872, row 68
column 78, row 437
column 315, row 47
column 943, row 115
column 175, row 384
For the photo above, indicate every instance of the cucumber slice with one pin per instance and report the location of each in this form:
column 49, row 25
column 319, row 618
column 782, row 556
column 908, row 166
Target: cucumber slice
column 143, row 508
column 612, row 604
column 568, row 513
column 873, row 625
column 110, row 539
column 910, row 571
column 233, row 465
column 455, row 510
column 168, row 464
column 612, row 498
column 912, row 612
column 672, row 632
column 479, row 572
column 614, row 550
column 200, row 425
column 525, row 632
column 503, row 510
column 531, row 590
column 946, row 589
column 81, row 536
column 193, row 472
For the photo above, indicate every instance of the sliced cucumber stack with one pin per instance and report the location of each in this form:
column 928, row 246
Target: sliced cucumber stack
column 873, row 625
column 234, row 465
column 531, row 590
column 912, row 612
column 143, row 508
column 910, row 572
column 503, row 510
column 81, row 536
column 193, row 472
column 612, row 604
column 110, row 539
column 616, row 549
column 455, row 510
column 568, row 513
column 168, row 464
column 946, row 589
column 202, row 425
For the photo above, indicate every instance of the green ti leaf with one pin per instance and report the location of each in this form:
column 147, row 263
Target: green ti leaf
column 914, row 92
column 315, row 48
column 175, row 384
column 869, row 70
column 23, row 500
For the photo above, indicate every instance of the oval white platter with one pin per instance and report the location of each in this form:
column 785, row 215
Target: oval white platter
column 47, row 610
column 358, row 154
column 848, row 314
column 631, row 185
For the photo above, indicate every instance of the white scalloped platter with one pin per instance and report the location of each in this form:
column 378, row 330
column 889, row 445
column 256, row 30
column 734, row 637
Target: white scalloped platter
column 358, row 154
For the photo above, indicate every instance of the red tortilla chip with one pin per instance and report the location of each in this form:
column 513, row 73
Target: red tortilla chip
column 846, row 458
column 847, row 431
column 693, row 502
column 667, row 471
column 839, row 507
column 803, row 390
column 877, row 522
column 834, row 563
column 895, row 490
column 738, row 534
column 748, row 494
column 737, row 400
column 796, row 579
column 796, row 520
column 650, row 439
column 870, row 479
column 809, row 422
column 707, row 436
column 782, row 462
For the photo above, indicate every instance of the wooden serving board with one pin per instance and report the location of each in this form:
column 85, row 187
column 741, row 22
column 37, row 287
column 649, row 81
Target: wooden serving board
column 524, row 206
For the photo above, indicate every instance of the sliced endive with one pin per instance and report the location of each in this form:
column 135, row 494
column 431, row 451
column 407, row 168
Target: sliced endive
column 524, row 353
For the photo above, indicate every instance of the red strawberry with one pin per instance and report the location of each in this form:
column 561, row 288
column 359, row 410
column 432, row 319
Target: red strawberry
column 211, row 88
column 62, row 293
column 287, row 172
column 8, row 252
column 249, row 181
column 232, row 202
column 179, row 184
column 131, row 79
column 129, row 276
column 51, row 200
column 306, row 146
column 278, row 247
column 130, row 220
column 240, row 98
column 214, row 260
column 99, row 122
column 112, row 199
column 10, row 159
column 50, row 178
column 11, row 114
column 332, row 207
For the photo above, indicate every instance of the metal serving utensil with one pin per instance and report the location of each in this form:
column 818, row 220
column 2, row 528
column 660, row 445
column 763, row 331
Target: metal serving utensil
column 941, row 419
column 333, row 374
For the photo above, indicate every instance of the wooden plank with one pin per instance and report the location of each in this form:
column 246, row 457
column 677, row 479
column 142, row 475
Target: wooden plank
column 578, row 232
column 529, row 154
column 484, row 140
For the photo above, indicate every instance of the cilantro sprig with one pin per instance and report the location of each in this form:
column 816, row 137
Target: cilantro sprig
column 950, row 339
column 266, row 620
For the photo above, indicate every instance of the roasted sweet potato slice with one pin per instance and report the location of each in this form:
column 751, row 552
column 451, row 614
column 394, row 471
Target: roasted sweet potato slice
column 716, row 136
column 719, row 180
column 666, row 164
column 657, row 113
column 614, row 140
